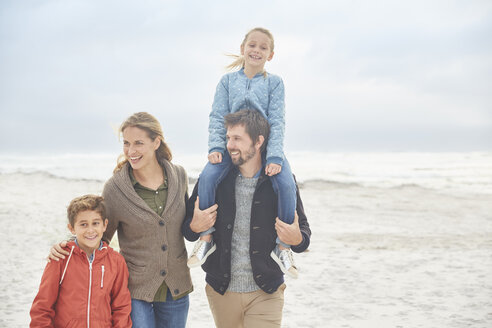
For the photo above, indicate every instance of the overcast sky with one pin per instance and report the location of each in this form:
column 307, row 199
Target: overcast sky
column 359, row 75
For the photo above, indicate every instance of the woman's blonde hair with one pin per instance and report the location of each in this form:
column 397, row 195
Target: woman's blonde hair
column 238, row 62
column 151, row 125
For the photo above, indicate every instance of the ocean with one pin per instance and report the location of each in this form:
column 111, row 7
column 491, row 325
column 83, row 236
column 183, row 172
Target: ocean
column 399, row 239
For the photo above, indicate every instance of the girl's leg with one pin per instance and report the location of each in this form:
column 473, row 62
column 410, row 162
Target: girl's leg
column 210, row 178
column 172, row 313
column 142, row 314
column 285, row 187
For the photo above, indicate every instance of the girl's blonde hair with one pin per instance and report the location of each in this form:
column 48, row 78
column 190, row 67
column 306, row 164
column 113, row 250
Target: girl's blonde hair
column 238, row 62
column 151, row 125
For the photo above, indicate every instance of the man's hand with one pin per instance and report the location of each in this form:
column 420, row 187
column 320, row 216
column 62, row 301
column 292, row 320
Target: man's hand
column 203, row 220
column 289, row 233
column 57, row 252
column 215, row 157
column 272, row 169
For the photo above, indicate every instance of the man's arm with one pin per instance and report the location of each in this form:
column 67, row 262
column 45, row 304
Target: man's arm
column 303, row 226
column 297, row 234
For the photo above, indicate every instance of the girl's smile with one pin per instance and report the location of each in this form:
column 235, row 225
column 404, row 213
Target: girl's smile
column 256, row 51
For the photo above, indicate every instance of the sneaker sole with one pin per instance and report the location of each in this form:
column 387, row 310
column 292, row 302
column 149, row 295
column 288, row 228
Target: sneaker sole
column 199, row 263
column 279, row 263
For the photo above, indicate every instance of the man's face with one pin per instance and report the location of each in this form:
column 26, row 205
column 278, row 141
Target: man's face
column 239, row 145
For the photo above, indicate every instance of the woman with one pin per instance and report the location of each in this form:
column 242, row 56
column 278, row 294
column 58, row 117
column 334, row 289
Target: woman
column 145, row 200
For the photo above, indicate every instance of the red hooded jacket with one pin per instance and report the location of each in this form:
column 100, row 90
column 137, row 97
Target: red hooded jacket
column 76, row 293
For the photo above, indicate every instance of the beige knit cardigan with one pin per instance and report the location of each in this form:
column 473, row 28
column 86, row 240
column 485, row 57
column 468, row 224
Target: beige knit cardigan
column 152, row 245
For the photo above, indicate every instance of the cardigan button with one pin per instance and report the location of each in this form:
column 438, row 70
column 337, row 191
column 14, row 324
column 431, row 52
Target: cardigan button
column 163, row 272
column 226, row 275
column 226, row 251
column 229, row 226
column 161, row 223
column 164, row 248
column 176, row 291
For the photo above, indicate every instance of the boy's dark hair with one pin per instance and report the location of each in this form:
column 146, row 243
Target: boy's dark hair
column 85, row 203
column 254, row 123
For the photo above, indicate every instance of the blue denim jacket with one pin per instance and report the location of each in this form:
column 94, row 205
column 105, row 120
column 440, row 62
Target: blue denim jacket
column 236, row 91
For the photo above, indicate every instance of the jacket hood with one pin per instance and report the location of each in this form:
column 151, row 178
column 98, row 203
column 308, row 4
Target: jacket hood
column 75, row 250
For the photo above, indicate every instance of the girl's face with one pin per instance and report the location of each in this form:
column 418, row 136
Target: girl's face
column 138, row 148
column 257, row 50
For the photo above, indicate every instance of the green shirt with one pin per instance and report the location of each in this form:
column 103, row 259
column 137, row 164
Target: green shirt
column 156, row 200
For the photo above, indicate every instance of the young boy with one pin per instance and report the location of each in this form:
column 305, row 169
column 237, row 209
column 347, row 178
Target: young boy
column 89, row 288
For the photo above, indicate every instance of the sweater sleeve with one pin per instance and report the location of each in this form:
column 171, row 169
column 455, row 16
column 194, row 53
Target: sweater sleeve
column 120, row 297
column 189, row 234
column 43, row 307
column 303, row 226
column 276, row 118
column 112, row 220
column 220, row 108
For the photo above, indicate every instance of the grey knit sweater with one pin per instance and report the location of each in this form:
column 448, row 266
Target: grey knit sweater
column 152, row 245
column 241, row 272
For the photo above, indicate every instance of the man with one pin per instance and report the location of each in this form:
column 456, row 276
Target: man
column 245, row 285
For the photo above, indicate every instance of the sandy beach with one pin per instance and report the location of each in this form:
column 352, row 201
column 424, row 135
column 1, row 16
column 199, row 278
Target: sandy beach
column 403, row 256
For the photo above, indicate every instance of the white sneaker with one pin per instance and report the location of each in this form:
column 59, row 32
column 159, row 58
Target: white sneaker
column 200, row 253
column 285, row 261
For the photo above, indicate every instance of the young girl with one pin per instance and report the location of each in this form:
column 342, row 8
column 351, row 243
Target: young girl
column 251, row 87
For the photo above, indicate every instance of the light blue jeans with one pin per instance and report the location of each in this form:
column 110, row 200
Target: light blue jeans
column 169, row 314
column 283, row 185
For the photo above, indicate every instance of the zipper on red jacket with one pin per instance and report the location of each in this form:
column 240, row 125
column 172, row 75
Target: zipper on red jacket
column 90, row 284
column 102, row 276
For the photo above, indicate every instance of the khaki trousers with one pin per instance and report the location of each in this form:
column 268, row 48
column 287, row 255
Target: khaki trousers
column 246, row 310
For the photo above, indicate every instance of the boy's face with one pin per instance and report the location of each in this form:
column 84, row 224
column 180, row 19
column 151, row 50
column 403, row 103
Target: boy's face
column 89, row 228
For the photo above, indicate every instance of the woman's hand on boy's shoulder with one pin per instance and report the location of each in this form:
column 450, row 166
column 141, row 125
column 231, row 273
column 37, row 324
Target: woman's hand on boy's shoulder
column 57, row 252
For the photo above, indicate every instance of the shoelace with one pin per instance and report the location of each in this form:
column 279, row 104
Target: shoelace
column 197, row 247
column 291, row 258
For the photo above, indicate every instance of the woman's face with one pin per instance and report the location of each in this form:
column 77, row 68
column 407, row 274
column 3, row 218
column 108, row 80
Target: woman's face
column 138, row 148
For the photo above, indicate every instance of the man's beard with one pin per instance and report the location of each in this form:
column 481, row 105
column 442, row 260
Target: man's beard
column 250, row 153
